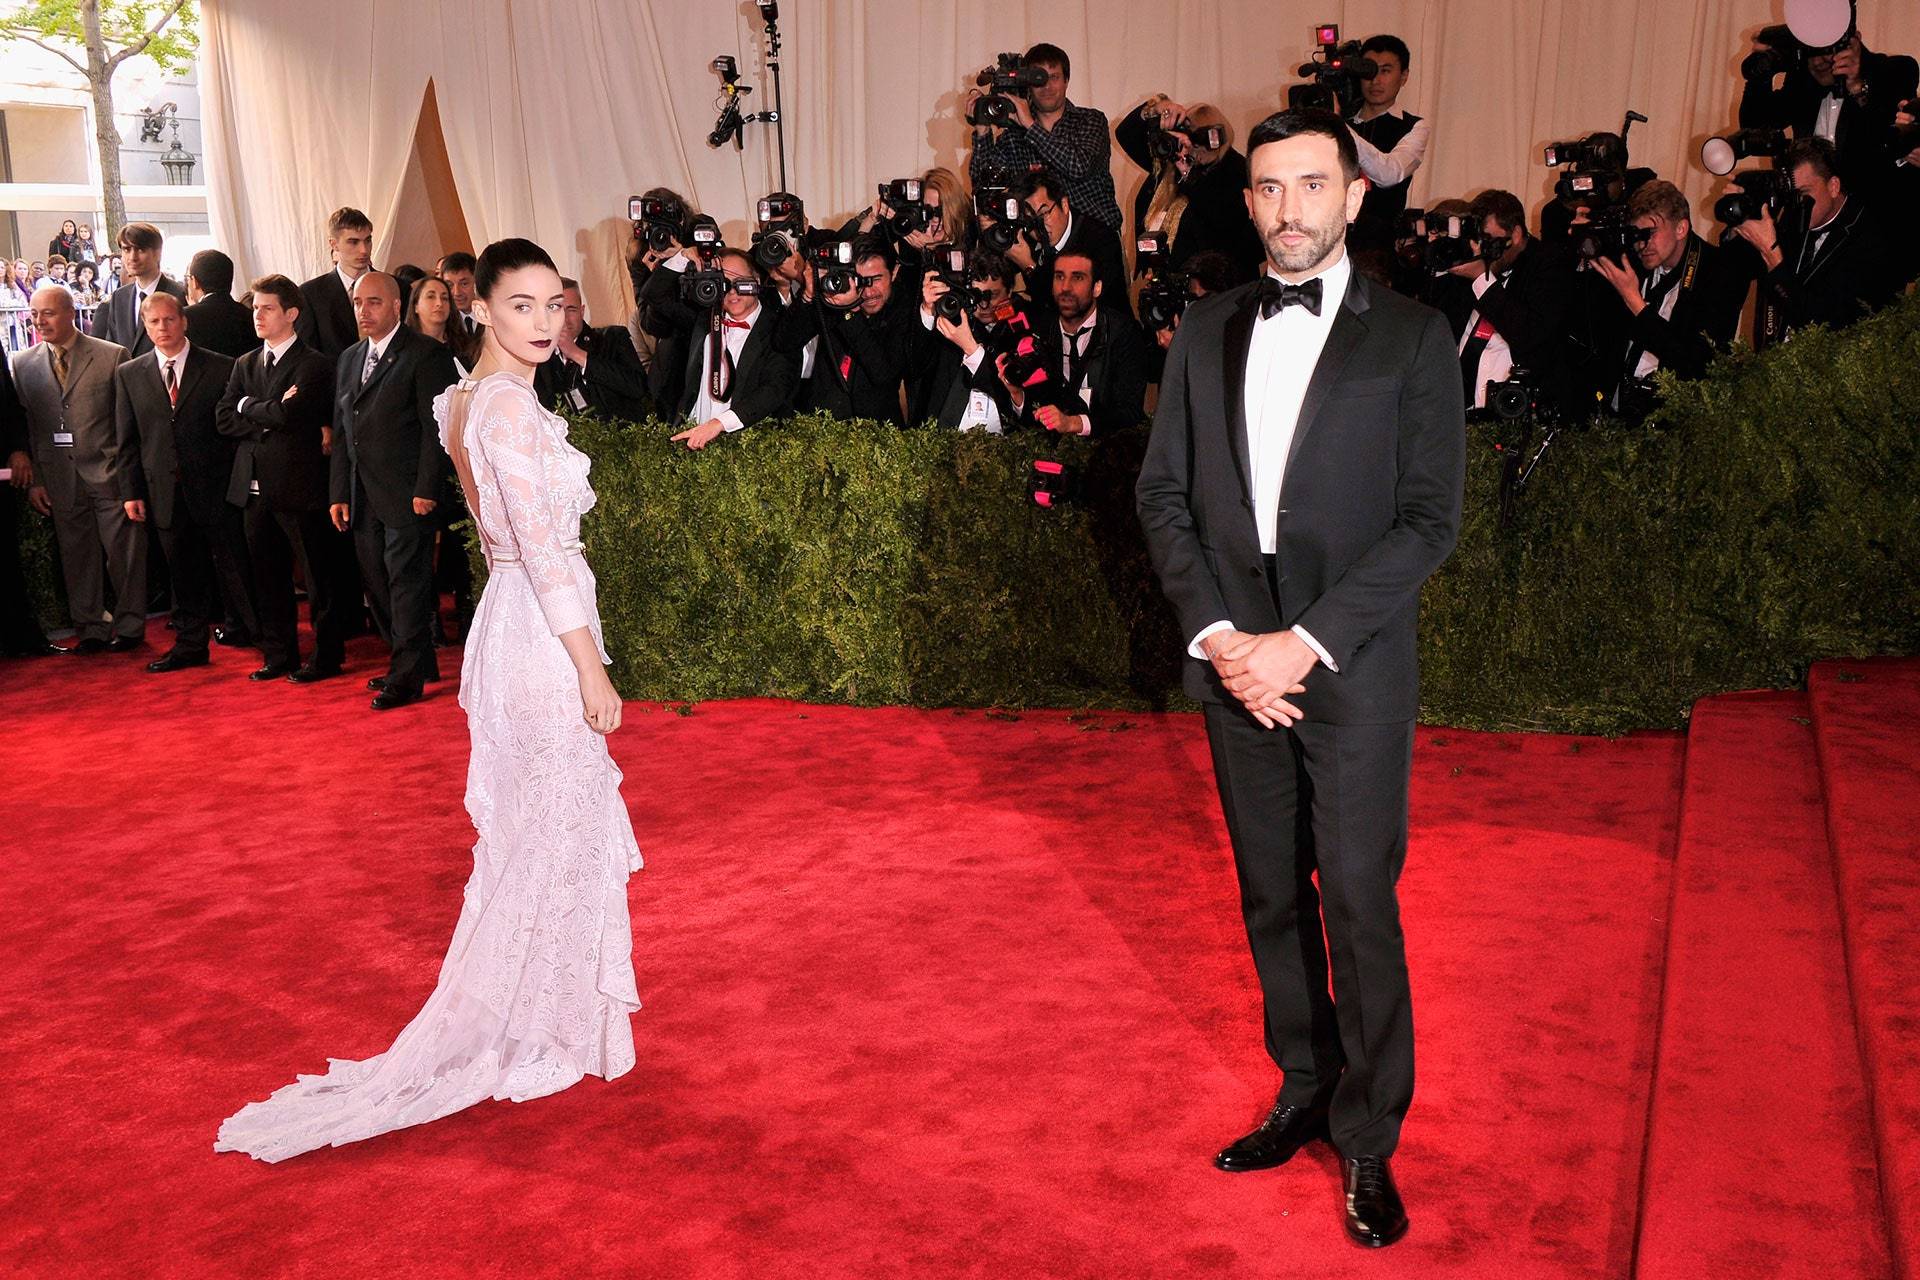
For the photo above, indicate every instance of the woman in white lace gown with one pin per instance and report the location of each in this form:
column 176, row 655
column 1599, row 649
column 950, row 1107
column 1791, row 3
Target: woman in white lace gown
column 537, row 988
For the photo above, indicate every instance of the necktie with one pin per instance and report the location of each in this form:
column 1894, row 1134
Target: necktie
column 271, row 359
column 173, row 386
column 731, row 323
column 1077, row 357
column 60, row 366
column 366, row 370
column 1274, row 294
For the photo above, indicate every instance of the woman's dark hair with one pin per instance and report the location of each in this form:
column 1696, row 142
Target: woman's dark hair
column 408, row 274
column 503, row 256
column 465, row 344
column 1282, row 125
column 88, row 268
column 69, row 227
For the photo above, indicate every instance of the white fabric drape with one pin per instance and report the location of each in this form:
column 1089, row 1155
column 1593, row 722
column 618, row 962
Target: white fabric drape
column 553, row 112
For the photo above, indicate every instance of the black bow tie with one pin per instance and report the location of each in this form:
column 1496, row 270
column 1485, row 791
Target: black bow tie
column 1274, row 294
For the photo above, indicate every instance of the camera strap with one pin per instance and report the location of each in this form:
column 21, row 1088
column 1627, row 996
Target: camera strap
column 719, row 363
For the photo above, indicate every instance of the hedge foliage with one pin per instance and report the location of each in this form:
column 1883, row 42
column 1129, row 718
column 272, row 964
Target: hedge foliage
column 1768, row 516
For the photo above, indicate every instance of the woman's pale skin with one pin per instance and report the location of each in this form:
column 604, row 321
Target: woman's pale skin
column 434, row 309
column 522, row 316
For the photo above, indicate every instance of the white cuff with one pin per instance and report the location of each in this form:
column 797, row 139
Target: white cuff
column 1195, row 651
column 730, row 421
column 678, row 262
column 1318, row 652
column 926, row 319
column 972, row 360
column 242, row 406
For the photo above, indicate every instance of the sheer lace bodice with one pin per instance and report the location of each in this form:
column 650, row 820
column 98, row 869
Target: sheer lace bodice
column 537, row 988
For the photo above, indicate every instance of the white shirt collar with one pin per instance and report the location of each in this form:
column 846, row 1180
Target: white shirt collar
column 380, row 345
column 1394, row 111
column 1067, row 234
column 1336, row 277
column 1093, row 318
column 346, row 279
column 144, row 288
column 277, row 351
column 179, row 361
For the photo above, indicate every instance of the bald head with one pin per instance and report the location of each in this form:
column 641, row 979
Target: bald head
column 376, row 304
column 52, row 311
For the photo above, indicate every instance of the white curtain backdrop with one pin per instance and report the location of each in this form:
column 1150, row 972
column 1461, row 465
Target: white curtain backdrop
column 453, row 124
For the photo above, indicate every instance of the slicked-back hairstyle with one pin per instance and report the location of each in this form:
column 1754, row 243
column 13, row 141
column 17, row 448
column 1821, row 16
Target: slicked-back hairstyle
column 1282, row 125
column 875, row 246
column 1818, row 154
column 501, row 257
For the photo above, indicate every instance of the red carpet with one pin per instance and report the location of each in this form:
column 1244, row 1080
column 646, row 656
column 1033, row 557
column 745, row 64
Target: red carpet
column 928, row 994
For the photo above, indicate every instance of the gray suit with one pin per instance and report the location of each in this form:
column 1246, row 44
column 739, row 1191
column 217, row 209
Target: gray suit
column 82, row 479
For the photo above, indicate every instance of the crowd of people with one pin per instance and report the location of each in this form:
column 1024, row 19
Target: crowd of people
column 292, row 428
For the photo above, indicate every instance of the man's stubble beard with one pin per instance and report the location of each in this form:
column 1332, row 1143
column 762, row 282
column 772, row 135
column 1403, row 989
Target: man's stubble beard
column 1321, row 242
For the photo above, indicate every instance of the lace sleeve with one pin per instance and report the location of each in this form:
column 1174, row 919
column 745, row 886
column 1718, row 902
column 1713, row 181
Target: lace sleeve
column 527, row 467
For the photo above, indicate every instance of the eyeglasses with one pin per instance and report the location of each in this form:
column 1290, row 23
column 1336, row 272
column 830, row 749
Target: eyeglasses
column 1046, row 209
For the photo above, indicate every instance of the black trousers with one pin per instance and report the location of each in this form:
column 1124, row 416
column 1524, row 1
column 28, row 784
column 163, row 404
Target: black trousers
column 396, row 564
column 276, row 541
column 233, row 571
column 1328, row 799
column 19, row 625
column 188, row 547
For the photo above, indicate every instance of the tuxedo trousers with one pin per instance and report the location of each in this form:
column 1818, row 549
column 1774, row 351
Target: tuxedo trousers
column 396, row 565
column 1318, row 818
column 276, row 542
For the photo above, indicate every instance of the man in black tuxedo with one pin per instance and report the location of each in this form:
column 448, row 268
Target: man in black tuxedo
column 217, row 322
column 179, row 468
column 1513, row 304
column 278, row 399
column 865, row 337
column 736, row 374
column 1847, row 96
column 1066, row 232
column 457, row 270
column 119, row 319
column 1303, row 479
column 387, row 473
column 1096, row 359
column 593, row 370
column 20, row 633
column 326, row 301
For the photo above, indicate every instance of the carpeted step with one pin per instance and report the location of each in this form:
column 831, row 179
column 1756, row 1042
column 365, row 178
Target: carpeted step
column 1866, row 719
column 1760, row 1158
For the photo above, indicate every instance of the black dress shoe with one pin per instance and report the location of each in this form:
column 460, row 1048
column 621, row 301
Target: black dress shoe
column 272, row 671
column 388, row 699
column 124, row 644
column 174, row 660
column 43, row 649
column 233, row 639
column 311, row 672
column 377, row 683
column 1285, row 1130
column 1375, row 1216
column 89, row 645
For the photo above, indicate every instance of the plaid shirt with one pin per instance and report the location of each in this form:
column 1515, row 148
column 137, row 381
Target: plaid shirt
column 1076, row 150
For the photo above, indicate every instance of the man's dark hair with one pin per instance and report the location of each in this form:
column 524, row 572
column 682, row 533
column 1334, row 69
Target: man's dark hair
column 1282, row 125
column 1503, row 206
column 1389, row 44
column 679, row 212
column 986, row 263
column 1213, row 269
column 281, row 288
column 1050, row 55
column 347, row 218
column 460, row 260
column 1043, row 180
column 1093, row 268
column 567, row 282
column 141, row 235
column 503, row 256
column 1818, row 154
column 408, row 274
column 212, row 270
column 875, row 246
column 740, row 256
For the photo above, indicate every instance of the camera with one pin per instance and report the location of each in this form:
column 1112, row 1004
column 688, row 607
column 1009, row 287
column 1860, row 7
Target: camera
column 949, row 265
column 1522, row 395
column 1759, row 191
column 989, row 112
column 1010, row 74
column 1608, row 234
column 655, row 222
column 1782, row 54
column 1150, row 252
column 1718, row 155
column 832, row 261
column 1011, row 219
column 705, row 287
column 1595, row 151
column 1334, row 74
column 781, row 217
column 1164, row 301
column 1164, row 141
column 1452, row 240
column 906, row 210
column 704, row 233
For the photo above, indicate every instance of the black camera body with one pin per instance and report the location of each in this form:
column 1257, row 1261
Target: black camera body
column 1164, row 301
column 1011, row 221
column 1522, row 395
column 1437, row 243
column 1596, row 151
column 1011, row 75
column 1759, row 191
column 832, row 261
column 1783, row 54
column 1150, row 249
column 1164, row 141
column 1334, row 73
column 1609, row 233
column 707, row 286
column 782, row 221
column 655, row 223
column 906, row 209
column 704, row 233
column 949, row 265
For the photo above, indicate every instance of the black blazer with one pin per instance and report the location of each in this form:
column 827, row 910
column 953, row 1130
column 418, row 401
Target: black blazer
column 1850, row 275
column 174, row 447
column 1216, row 218
column 1705, row 317
column 279, row 438
column 386, row 448
column 1532, row 308
column 938, row 384
column 1369, row 509
column 326, row 322
column 861, row 361
column 1117, row 366
column 764, row 380
column 220, row 324
column 118, row 318
column 1862, row 134
column 615, row 383
column 671, row 323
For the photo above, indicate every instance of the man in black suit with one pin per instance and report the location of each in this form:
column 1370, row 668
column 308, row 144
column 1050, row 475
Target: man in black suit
column 1847, row 96
column 1831, row 266
column 952, row 379
column 865, row 334
column 1303, row 479
column 593, row 370
column 179, row 467
column 1065, row 231
column 119, row 319
column 457, row 270
column 20, row 633
column 1512, row 305
column 326, row 301
column 1678, row 305
column 387, row 473
column 217, row 322
column 736, row 374
column 1096, row 359
column 277, row 401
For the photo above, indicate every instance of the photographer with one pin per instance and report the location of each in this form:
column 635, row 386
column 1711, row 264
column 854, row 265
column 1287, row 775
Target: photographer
column 952, row 378
column 945, row 207
column 1206, row 273
column 656, row 269
column 1680, row 302
column 1515, row 297
column 1392, row 143
column 1193, row 195
column 593, row 370
column 1833, row 270
column 736, row 376
column 1848, row 96
column 865, row 334
column 1094, row 357
column 1061, row 230
column 1048, row 130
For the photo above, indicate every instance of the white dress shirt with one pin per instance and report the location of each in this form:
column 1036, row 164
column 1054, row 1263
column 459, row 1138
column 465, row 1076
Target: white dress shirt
column 705, row 407
column 1390, row 168
column 1826, row 117
column 1281, row 358
column 178, row 360
column 1649, row 361
column 982, row 412
column 1496, row 359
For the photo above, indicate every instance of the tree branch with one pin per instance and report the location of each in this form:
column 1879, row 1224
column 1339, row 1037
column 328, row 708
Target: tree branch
column 138, row 46
column 14, row 31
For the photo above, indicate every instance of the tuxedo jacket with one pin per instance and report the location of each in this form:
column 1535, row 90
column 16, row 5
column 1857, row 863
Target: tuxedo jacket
column 280, row 443
column 614, row 383
column 1852, row 272
column 326, row 321
column 1705, row 316
column 764, row 379
column 861, row 360
column 1532, row 308
column 939, row 386
column 1117, row 361
column 117, row 320
column 220, row 324
column 386, row 447
column 1369, row 508
column 1862, row 132
column 175, row 448
column 84, row 408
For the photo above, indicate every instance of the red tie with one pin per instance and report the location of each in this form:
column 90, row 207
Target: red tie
column 173, row 387
column 731, row 323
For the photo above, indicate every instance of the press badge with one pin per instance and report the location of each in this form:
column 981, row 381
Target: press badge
column 63, row 439
column 578, row 400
